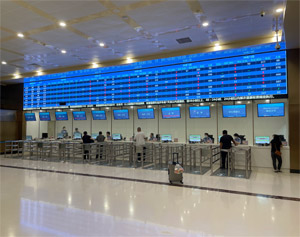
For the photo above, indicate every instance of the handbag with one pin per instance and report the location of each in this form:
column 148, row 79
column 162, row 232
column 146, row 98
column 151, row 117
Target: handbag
column 278, row 153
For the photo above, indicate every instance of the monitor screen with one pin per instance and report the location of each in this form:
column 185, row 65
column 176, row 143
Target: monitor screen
column 220, row 138
column 29, row 138
column 45, row 116
column 166, row 138
column 116, row 136
column 79, row 115
column 94, row 135
column 262, row 140
column 200, row 112
column 121, row 114
column 270, row 110
column 99, row 114
column 30, row 117
column 170, row 113
column 60, row 135
column 234, row 111
column 61, row 116
column 145, row 113
column 195, row 138
column 77, row 135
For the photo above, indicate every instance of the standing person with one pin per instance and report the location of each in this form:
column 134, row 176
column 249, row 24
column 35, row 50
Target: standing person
column 140, row 143
column 64, row 132
column 100, row 138
column 225, row 143
column 275, row 152
column 151, row 138
column 108, row 137
column 86, row 140
column 206, row 138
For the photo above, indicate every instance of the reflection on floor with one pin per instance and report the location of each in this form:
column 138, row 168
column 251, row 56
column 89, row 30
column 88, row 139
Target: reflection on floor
column 236, row 173
column 37, row 203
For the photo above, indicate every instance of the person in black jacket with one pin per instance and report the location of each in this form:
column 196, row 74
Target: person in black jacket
column 225, row 144
column 275, row 152
column 86, row 139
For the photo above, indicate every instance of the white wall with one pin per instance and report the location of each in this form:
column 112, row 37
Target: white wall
column 250, row 126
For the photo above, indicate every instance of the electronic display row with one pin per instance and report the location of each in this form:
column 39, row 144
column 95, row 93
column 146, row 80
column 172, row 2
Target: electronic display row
column 229, row 111
column 191, row 78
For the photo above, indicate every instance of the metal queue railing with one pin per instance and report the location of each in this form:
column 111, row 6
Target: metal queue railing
column 113, row 153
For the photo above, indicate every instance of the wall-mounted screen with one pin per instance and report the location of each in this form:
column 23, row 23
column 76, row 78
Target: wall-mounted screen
column 227, row 74
column 195, row 138
column 145, row 113
column 262, row 140
column 79, row 115
column 60, row 116
column 121, row 114
column 170, row 113
column 45, row 116
column 200, row 112
column 234, row 111
column 30, row 117
column 270, row 110
column 99, row 115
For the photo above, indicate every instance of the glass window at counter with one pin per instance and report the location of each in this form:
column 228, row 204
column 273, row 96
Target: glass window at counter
column 170, row 113
column 200, row 112
column 234, row 111
column 79, row 115
column 121, row 114
column 30, row 117
column 248, row 73
column 99, row 115
column 145, row 113
column 270, row 110
column 60, row 116
column 45, row 116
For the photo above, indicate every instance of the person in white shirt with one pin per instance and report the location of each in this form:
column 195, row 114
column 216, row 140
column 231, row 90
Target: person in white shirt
column 140, row 143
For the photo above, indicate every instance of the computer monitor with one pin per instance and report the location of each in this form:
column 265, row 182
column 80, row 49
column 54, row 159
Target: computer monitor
column 45, row 116
column 195, row 138
column 77, row 135
column 29, row 138
column 94, row 135
column 220, row 138
column 270, row 110
column 60, row 116
column 99, row 114
column 44, row 135
column 262, row 140
column 170, row 113
column 145, row 113
column 234, row 111
column 116, row 136
column 121, row 114
column 79, row 115
column 166, row 138
column 200, row 112
column 60, row 136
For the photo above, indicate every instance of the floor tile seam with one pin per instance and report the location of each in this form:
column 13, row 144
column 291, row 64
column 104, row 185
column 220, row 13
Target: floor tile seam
column 159, row 183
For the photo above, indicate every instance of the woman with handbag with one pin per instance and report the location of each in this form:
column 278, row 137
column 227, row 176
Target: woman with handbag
column 275, row 152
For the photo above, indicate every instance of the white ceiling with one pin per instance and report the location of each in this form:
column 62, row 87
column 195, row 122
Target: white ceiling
column 128, row 28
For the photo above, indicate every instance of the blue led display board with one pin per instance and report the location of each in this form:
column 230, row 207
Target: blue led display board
column 145, row 113
column 234, row 111
column 99, row 115
column 170, row 113
column 45, row 116
column 200, row 112
column 270, row 110
column 246, row 73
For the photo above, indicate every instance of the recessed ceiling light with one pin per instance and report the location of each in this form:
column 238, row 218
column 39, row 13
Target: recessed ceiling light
column 201, row 103
column 39, row 72
column 62, row 24
column 3, row 62
column 94, row 65
column 20, row 35
column 179, row 105
column 107, row 108
column 279, row 10
column 17, row 75
column 102, row 44
column 205, row 24
column 217, row 44
column 239, row 102
column 129, row 60
column 63, row 51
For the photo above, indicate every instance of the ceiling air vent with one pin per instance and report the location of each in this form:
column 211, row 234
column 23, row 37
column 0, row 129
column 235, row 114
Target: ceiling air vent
column 184, row 40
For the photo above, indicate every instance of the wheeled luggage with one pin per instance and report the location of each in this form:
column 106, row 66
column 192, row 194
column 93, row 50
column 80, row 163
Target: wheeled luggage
column 174, row 177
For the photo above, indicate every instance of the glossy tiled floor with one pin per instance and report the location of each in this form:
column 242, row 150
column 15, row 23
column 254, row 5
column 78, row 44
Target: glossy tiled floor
column 41, row 203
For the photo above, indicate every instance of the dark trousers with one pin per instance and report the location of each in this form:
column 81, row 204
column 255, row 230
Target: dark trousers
column 144, row 154
column 86, row 154
column 274, row 158
column 223, row 156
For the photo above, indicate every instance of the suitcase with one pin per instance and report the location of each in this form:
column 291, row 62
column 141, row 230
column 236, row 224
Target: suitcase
column 173, row 177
